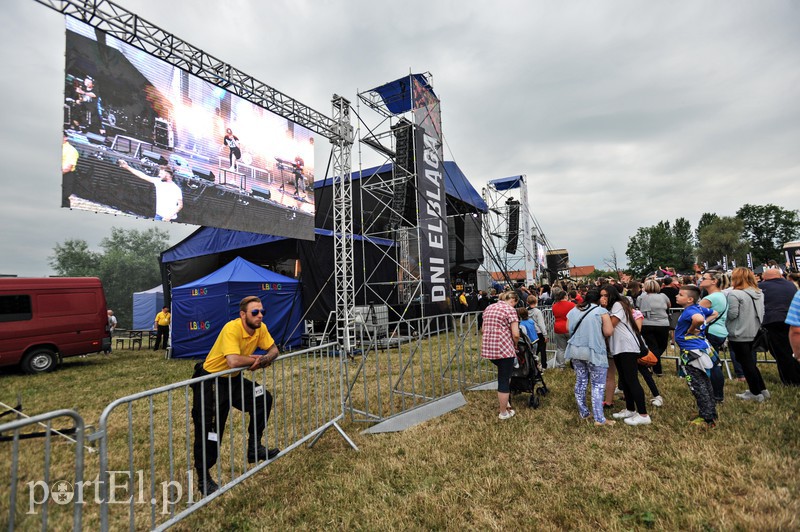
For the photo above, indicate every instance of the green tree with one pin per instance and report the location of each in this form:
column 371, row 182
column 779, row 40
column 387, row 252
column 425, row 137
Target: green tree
column 705, row 219
column 128, row 264
column 722, row 237
column 74, row 259
column 661, row 245
column 682, row 245
column 767, row 228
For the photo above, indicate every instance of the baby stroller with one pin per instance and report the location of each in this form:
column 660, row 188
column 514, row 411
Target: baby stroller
column 528, row 376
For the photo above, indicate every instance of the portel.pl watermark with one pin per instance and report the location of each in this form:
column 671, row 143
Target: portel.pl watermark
column 123, row 488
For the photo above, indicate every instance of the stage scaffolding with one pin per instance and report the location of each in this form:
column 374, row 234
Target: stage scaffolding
column 395, row 217
column 500, row 195
column 126, row 26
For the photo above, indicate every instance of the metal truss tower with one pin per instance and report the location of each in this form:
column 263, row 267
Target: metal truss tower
column 343, row 222
column 499, row 195
column 395, row 200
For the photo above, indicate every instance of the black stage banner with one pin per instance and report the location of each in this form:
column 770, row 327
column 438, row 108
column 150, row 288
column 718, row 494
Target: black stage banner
column 433, row 231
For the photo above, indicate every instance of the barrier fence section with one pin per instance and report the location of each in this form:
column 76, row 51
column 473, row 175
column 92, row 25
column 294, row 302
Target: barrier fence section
column 45, row 459
column 152, row 445
column 398, row 366
column 151, row 441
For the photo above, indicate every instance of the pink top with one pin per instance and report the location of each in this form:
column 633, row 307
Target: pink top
column 497, row 339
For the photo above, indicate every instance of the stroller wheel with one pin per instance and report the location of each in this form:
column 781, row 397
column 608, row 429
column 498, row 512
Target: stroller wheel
column 542, row 391
column 534, row 402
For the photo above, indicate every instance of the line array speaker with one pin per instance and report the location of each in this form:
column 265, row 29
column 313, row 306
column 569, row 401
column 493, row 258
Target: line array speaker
column 513, row 225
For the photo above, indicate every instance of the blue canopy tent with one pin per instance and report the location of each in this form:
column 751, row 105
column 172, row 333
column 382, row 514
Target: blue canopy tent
column 145, row 307
column 202, row 307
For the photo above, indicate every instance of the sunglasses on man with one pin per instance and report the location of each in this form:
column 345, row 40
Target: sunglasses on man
column 256, row 311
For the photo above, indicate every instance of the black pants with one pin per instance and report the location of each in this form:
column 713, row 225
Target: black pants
column 505, row 366
column 235, row 152
column 211, row 402
column 743, row 351
column 717, row 377
column 700, row 385
column 541, row 350
column 656, row 337
column 162, row 331
column 781, row 349
column 628, row 371
column 647, row 375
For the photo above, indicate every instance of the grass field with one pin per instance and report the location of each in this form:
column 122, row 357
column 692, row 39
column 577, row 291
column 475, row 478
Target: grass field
column 543, row 468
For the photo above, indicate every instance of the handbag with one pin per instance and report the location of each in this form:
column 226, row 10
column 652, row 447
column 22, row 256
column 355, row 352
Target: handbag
column 649, row 360
column 646, row 357
column 762, row 336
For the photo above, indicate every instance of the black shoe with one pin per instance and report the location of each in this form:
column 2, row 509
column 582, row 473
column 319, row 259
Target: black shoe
column 207, row 486
column 261, row 453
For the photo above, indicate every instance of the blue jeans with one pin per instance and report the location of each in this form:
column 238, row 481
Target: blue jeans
column 584, row 372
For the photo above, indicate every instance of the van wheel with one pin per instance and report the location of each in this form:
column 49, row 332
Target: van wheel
column 39, row 360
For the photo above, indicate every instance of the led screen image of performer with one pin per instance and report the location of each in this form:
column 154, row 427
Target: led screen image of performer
column 232, row 142
column 297, row 170
column 169, row 198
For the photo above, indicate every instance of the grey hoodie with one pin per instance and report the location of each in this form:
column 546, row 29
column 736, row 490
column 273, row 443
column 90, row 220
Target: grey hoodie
column 745, row 314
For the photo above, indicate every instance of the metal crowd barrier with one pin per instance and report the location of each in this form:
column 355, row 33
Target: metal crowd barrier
column 144, row 476
column 146, row 439
column 42, row 468
column 401, row 365
column 762, row 357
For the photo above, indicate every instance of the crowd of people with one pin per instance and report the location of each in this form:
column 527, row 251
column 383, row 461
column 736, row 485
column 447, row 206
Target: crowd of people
column 602, row 329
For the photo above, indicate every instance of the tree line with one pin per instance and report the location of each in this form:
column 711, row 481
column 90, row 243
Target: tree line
column 760, row 230
column 128, row 263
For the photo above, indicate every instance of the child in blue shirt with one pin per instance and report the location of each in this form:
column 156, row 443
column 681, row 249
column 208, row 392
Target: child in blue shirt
column 695, row 359
column 526, row 323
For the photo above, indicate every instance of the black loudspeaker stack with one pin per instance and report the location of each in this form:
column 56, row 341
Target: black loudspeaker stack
column 513, row 226
column 404, row 205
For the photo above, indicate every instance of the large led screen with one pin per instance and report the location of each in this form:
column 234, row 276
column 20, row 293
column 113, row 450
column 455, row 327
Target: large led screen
column 147, row 139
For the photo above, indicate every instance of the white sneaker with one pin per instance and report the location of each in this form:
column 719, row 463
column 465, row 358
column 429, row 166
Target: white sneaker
column 749, row 396
column 636, row 419
column 623, row 414
column 766, row 394
column 657, row 401
column 506, row 415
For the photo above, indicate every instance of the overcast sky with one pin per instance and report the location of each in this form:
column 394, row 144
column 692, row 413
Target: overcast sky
column 620, row 113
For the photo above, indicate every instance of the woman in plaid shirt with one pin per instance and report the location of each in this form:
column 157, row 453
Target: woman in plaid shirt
column 500, row 337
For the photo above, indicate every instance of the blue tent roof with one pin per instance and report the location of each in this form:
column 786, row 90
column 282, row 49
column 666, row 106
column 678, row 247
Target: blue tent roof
column 240, row 271
column 507, row 183
column 210, row 240
column 201, row 308
column 456, row 184
column 397, row 95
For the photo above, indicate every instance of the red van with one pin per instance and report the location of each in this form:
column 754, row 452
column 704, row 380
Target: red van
column 43, row 320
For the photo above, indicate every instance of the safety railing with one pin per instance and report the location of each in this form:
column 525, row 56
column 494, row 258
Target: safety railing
column 39, row 462
column 398, row 366
column 161, row 447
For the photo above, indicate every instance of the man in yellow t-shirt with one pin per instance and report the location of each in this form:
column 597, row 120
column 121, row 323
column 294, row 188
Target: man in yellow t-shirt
column 162, row 321
column 213, row 398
